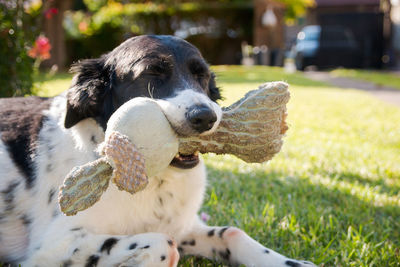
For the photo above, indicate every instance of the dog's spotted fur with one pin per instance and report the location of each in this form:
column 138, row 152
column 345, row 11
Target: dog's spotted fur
column 41, row 140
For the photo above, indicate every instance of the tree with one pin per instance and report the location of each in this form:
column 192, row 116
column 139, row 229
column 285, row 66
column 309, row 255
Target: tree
column 296, row 8
column 53, row 28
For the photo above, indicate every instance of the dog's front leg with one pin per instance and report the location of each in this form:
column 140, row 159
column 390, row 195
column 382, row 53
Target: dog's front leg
column 78, row 247
column 233, row 246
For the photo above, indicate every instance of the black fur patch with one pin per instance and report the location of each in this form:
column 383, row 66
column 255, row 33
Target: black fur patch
column 266, row 251
column 9, row 192
column 225, row 255
column 222, row 231
column 92, row 261
column 215, row 92
column 67, row 263
column 26, row 220
column 190, row 243
column 211, row 232
column 108, row 245
column 21, row 121
column 51, row 195
column 163, row 257
column 170, row 242
column 132, row 246
column 93, row 140
column 85, row 98
column 292, row 263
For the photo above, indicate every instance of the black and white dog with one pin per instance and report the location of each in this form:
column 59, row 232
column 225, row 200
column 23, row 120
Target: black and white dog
column 42, row 139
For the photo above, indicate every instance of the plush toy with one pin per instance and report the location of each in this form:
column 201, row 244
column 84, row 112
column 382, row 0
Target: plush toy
column 139, row 143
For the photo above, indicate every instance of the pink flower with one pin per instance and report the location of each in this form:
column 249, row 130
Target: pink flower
column 41, row 48
column 83, row 26
column 204, row 217
column 49, row 13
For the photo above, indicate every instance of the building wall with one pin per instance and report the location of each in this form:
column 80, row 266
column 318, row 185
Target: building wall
column 395, row 17
column 271, row 36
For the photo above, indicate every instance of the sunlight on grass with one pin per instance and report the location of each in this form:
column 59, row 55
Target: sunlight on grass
column 378, row 78
column 332, row 195
column 260, row 74
column 51, row 85
column 338, row 172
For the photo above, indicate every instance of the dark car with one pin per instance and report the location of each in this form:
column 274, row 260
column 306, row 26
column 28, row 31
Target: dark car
column 326, row 47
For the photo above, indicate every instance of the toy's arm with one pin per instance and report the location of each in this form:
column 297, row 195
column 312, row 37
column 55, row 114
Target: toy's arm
column 84, row 186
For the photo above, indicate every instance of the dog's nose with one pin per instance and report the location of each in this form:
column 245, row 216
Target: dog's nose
column 201, row 118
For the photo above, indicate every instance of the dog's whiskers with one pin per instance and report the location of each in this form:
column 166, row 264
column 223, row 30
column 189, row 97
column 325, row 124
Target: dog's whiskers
column 150, row 90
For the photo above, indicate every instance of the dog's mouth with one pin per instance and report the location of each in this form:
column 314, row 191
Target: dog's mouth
column 185, row 161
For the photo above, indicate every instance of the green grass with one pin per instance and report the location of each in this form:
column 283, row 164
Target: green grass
column 332, row 195
column 51, row 85
column 378, row 78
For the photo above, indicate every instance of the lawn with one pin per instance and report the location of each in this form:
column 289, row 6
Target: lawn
column 379, row 78
column 51, row 85
column 332, row 195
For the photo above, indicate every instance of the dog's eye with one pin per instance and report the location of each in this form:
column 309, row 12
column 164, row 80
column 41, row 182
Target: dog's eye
column 155, row 70
column 160, row 69
column 202, row 78
column 199, row 71
column 201, row 75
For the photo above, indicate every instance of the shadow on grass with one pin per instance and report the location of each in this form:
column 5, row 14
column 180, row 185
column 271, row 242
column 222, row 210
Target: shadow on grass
column 378, row 185
column 303, row 220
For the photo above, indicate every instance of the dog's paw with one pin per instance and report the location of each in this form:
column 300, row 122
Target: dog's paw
column 145, row 250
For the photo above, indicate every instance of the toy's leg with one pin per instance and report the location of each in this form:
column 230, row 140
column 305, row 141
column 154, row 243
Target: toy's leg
column 78, row 247
column 233, row 246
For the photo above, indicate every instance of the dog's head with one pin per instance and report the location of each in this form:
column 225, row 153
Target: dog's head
column 161, row 67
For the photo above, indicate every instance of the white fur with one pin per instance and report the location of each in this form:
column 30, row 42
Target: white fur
column 14, row 243
column 166, row 209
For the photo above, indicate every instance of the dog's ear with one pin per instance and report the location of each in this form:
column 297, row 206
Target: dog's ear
column 215, row 93
column 86, row 96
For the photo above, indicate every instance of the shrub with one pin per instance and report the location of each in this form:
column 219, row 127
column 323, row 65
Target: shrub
column 17, row 32
column 204, row 24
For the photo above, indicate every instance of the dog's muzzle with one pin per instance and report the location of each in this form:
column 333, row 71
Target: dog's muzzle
column 201, row 118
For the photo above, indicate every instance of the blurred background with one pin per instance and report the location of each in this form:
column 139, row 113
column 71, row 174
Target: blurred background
column 297, row 34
